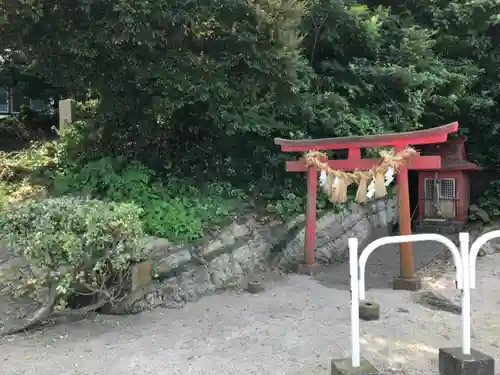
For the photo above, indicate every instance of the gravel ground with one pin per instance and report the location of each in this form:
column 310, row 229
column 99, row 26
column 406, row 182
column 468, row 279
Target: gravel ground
column 295, row 327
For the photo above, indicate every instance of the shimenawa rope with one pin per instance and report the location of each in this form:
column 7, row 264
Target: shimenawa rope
column 335, row 182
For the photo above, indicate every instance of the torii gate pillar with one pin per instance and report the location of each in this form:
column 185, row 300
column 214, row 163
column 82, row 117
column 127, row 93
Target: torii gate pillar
column 399, row 141
column 407, row 279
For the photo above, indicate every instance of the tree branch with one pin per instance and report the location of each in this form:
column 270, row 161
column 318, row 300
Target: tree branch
column 81, row 311
column 40, row 315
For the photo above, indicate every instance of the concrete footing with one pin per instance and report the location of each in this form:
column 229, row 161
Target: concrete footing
column 255, row 286
column 343, row 366
column 308, row 269
column 369, row 310
column 412, row 284
column 453, row 362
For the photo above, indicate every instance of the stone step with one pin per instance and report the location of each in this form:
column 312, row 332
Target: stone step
column 439, row 227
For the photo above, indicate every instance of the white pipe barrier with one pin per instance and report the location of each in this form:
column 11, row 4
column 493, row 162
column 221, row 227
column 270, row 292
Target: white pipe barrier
column 465, row 276
column 409, row 238
column 464, row 250
column 474, row 250
column 353, row 271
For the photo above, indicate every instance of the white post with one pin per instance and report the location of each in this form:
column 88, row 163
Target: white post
column 354, row 274
column 66, row 113
column 464, row 249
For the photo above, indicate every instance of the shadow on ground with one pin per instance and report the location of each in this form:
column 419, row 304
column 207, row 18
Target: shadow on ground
column 382, row 266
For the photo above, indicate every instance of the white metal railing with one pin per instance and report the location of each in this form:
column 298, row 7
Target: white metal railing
column 474, row 250
column 402, row 239
column 464, row 262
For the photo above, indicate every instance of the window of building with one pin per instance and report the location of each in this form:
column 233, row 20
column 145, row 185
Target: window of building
column 38, row 105
column 4, row 100
column 11, row 101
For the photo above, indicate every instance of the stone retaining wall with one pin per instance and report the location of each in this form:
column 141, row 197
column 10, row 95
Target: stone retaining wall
column 234, row 255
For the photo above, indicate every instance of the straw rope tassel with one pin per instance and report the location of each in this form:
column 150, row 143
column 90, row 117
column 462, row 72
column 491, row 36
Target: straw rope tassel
column 380, row 189
column 362, row 188
column 340, row 192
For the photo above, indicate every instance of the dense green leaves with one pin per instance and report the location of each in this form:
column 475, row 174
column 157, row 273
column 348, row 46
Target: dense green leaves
column 375, row 71
column 169, row 209
column 199, row 88
column 236, row 61
column 466, row 41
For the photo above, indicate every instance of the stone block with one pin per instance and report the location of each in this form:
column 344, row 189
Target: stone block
column 453, row 362
column 212, row 247
column 172, row 261
column 436, row 301
column 413, row 284
column 218, row 278
column 142, row 274
column 369, row 310
column 246, row 253
column 240, row 230
column 255, row 287
column 308, row 269
column 343, row 366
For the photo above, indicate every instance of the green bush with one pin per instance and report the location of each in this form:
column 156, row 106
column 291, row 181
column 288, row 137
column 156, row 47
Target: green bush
column 490, row 202
column 170, row 208
column 75, row 244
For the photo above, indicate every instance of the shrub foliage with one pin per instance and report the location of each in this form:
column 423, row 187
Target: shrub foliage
column 74, row 246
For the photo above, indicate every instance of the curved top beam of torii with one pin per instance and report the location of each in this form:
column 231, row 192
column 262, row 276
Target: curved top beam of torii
column 433, row 135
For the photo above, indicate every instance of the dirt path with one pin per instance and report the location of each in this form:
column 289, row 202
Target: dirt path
column 295, row 327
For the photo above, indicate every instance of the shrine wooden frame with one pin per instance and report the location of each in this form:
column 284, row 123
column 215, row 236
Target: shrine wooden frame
column 399, row 141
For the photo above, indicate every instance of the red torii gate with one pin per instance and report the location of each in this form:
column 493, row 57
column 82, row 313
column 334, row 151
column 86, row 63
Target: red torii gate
column 354, row 161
